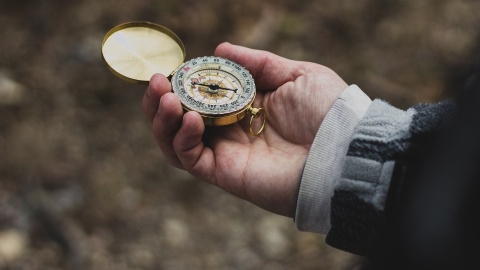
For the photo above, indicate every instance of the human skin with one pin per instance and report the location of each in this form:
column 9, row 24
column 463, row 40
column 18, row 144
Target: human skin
column 266, row 169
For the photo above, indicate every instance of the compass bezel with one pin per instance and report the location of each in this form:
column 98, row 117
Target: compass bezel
column 222, row 114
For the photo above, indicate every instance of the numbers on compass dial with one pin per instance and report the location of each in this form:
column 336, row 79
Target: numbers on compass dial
column 213, row 85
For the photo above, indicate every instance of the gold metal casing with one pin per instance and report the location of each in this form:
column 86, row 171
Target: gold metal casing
column 134, row 51
column 226, row 119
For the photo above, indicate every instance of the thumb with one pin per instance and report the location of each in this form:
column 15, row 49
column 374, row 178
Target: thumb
column 195, row 157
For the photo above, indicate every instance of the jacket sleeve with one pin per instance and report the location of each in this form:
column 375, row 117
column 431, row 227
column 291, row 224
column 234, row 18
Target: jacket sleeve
column 382, row 138
column 325, row 160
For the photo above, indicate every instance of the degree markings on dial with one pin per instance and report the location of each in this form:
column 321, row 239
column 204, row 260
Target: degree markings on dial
column 228, row 75
column 214, row 76
column 209, row 85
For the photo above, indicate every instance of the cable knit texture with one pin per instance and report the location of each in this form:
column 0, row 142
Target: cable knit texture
column 384, row 135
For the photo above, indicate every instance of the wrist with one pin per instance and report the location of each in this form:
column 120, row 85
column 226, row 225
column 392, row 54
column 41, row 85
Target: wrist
column 325, row 160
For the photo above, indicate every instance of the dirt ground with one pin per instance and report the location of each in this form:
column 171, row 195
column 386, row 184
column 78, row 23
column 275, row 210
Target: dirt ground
column 82, row 183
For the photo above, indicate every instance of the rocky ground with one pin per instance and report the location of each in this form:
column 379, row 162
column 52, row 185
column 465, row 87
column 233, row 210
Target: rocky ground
column 82, row 183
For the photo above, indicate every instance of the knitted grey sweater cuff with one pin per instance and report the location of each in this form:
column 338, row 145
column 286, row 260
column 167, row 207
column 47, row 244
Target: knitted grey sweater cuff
column 326, row 158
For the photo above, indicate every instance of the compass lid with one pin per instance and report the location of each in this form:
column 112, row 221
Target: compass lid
column 134, row 51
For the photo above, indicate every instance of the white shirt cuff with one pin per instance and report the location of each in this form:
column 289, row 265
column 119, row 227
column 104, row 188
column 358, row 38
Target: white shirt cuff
column 326, row 158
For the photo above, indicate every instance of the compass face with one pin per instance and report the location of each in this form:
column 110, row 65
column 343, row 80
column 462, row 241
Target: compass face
column 214, row 86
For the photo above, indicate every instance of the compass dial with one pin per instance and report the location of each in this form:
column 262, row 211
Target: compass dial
column 214, row 86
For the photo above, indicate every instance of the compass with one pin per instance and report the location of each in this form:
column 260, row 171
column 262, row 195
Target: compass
column 219, row 89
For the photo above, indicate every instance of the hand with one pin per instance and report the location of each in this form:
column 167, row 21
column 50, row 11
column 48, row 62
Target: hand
column 264, row 170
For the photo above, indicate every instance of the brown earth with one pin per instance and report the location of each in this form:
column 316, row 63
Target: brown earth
column 82, row 183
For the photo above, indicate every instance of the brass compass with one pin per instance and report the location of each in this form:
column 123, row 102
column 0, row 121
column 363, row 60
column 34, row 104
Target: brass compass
column 219, row 89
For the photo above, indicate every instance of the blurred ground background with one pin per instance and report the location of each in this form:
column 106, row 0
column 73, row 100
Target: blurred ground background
column 82, row 183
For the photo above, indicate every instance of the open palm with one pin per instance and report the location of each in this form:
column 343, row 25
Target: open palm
column 266, row 169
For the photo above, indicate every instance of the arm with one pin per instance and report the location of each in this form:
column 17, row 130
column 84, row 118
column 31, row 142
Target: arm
column 326, row 158
column 299, row 136
column 387, row 143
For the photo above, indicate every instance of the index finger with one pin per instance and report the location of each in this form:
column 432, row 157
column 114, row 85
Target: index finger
column 269, row 70
column 159, row 85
